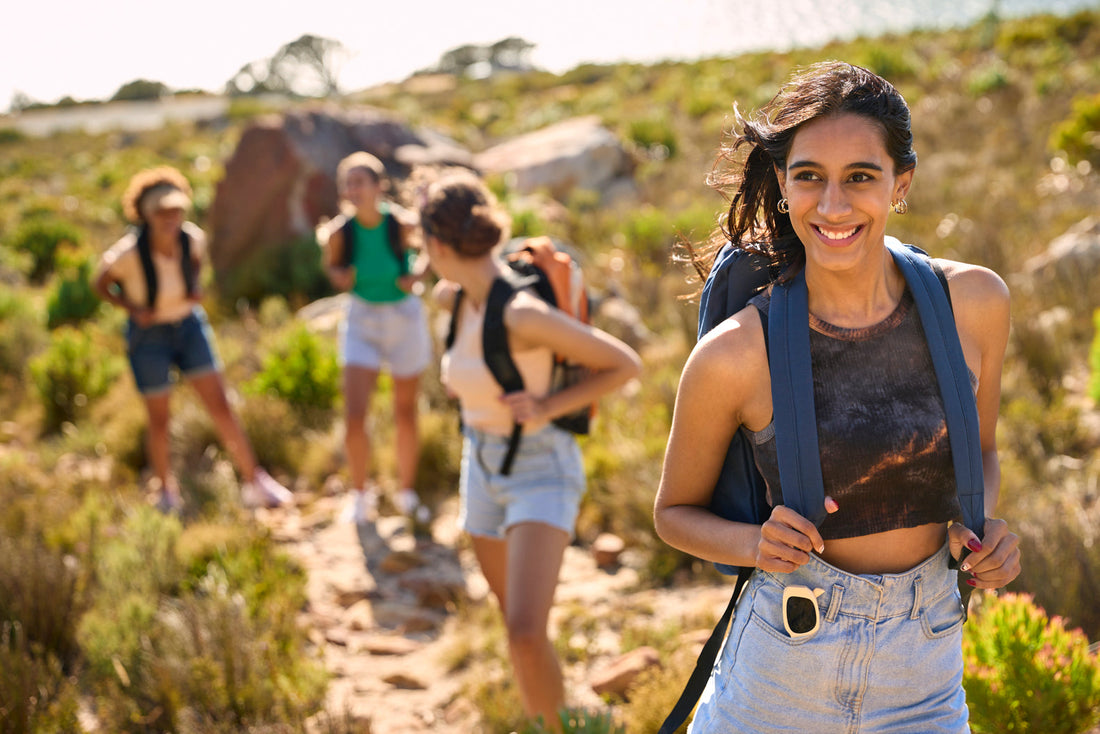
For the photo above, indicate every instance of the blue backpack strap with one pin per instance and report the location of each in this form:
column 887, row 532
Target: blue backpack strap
column 740, row 492
column 793, row 400
column 961, row 410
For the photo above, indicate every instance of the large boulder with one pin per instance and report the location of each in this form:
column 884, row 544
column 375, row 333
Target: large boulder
column 280, row 181
column 575, row 154
column 1069, row 268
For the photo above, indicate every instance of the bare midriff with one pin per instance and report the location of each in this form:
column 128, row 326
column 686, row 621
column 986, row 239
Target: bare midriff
column 893, row 551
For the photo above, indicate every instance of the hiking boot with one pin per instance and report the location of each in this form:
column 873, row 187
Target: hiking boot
column 264, row 491
column 361, row 507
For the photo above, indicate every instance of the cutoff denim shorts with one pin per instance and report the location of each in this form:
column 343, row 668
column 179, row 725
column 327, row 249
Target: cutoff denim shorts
column 187, row 345
column 391, row 334
column 887, row 657
column 546, row 483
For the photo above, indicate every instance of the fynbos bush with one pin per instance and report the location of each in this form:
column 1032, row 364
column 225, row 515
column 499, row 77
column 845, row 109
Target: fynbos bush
column 304, row 372
column 1027, row 673
column 70, row 374
column 41, row 237
column 72, row 299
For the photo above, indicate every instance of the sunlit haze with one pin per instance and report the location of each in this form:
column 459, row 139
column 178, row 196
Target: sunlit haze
column 88, row 50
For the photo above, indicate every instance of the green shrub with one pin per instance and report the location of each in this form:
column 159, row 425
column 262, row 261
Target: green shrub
column 302, row 370
column 42, row 595
column 1027, row 673
column 204, row 631
column 987, row 79
column 70, row 374
column 40, row 237
column 292, row 270
column 653, row 133
column 21, row 334
column 72, row 299
column 35, row 693
column 1079, row 134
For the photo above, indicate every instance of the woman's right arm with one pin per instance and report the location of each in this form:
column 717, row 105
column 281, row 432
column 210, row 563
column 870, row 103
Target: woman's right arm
column 342, row 278
column 105, row 283
column 725, row 383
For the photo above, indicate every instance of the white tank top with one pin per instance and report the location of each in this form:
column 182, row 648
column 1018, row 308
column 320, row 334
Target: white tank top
column 464, row 373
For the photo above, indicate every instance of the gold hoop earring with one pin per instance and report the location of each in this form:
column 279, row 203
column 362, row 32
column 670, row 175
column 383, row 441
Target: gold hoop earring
column 783, row 207
column 900, row 206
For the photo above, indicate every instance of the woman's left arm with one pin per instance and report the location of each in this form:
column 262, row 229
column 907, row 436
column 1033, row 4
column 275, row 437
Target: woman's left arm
column 533, row 323
column 981, row 303
column 198, row 257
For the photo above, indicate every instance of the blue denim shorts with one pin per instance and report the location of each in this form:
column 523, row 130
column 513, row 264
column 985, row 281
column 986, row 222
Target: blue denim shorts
column 546, row 483
column 186, row 345
column 394, row 335
column 887, row 657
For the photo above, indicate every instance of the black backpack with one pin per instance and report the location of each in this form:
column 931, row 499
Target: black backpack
column 145, row 252
column 393, row 237
column 739, row 493
column 529, row 261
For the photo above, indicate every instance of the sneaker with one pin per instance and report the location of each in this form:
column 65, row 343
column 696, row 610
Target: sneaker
column 408, row 502
column 361, row 508
column 169, row 503
column 264, row 491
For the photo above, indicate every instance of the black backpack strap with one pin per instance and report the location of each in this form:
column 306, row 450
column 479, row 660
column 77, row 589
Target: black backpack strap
column 705, row 664
column 452, row 329
column 186, row 263
column 348, row 229
column 396, row 239
column 145, row 252
column 498, row 358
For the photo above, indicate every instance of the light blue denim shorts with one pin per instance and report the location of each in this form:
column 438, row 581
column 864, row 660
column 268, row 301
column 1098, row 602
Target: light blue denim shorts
column 546, row 483
column 887, row 657
column 394, row 335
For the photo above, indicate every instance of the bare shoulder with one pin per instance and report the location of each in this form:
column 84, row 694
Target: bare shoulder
column 732, row 351
column 127, row 244
column 198, row 237
column 444, row 292
column 975, row 285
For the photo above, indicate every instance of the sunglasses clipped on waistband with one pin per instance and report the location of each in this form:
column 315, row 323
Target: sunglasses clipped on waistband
column 801, row 617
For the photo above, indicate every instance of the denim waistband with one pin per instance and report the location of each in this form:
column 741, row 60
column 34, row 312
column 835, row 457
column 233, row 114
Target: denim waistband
column 873, row 596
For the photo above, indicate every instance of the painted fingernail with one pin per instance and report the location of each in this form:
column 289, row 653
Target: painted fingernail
column 964, row 567
column 974, row 545
column 972, row 582
column 821, row 548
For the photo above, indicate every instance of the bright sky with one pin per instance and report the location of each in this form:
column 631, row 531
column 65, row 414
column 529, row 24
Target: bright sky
column 87, row 50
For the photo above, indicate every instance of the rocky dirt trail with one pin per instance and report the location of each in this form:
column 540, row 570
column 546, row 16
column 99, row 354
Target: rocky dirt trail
column 381, row 611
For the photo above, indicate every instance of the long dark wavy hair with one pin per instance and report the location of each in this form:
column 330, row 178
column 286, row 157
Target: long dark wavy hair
column 759, row 144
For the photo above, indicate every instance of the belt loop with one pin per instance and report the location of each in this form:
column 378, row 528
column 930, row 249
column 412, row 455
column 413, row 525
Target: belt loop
column 917, row 597
column 834, row 603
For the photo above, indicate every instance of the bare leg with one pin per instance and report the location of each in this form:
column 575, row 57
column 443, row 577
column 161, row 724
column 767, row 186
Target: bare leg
column 408, row 441
column 211, row 390
column 359, row 385
column 156, row 441
column 532, row 562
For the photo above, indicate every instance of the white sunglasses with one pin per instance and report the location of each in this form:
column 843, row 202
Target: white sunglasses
column 801, row 617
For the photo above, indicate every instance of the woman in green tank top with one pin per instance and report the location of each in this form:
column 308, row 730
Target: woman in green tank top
column 385, row 327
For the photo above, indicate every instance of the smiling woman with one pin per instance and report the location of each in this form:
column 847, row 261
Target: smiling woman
column 853, row 623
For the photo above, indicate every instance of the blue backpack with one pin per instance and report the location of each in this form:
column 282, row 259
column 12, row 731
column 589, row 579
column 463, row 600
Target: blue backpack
column 740, row 492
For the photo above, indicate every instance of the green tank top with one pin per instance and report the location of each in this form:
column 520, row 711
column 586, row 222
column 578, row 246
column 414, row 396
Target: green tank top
column 376, row 270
